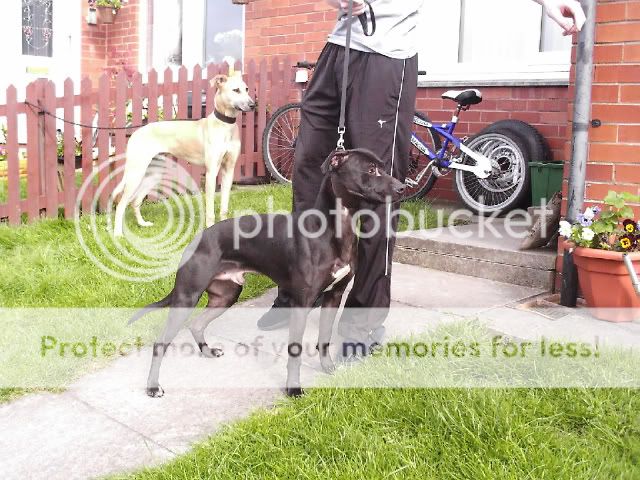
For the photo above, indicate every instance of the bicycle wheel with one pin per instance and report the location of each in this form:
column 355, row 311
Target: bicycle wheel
column 508, row 184
column 420, row 177
column 279, row 141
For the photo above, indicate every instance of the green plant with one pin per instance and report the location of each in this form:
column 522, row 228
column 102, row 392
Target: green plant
column 60, row 145
column 115, row 4
column 609, row 228
column 3, row 142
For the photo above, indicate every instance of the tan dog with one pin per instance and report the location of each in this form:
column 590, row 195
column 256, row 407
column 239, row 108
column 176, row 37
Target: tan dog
column 213, row 142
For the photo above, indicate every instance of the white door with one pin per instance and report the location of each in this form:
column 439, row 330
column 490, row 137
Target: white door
column 40, row 39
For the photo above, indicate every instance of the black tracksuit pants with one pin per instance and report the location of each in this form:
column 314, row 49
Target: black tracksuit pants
column 380, row 106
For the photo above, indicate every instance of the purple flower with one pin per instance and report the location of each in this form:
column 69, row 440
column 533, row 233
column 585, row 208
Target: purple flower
column 596, row 210
column 583, row 221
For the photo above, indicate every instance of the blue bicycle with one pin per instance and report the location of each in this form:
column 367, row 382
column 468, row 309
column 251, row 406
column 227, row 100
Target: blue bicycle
column 491, row 168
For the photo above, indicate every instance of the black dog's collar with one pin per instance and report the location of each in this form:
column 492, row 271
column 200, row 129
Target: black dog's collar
column 223, row 118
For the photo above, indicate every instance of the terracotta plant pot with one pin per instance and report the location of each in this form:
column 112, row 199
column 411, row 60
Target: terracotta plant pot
column 606, row 285
column 106, row 14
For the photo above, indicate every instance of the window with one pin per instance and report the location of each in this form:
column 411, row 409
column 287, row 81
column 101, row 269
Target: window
column 190, row 32
column 37, row 28
column 492, row 42
column 223, row 31
column 166, row 46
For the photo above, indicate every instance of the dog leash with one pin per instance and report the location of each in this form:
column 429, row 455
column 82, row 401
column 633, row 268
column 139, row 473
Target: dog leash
column 342, row 129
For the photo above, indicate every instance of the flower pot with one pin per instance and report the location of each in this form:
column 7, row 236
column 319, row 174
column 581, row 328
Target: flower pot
column 606, row 285
column 106, row 14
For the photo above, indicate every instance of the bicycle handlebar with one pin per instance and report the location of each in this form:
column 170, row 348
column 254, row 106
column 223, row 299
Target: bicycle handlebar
column 305, row 64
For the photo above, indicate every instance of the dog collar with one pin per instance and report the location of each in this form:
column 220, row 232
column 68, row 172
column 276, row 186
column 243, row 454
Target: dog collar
column 223, row 118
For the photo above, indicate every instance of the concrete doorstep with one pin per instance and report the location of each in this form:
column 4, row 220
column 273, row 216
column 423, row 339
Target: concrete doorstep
column 485, row 248
column 104, row 423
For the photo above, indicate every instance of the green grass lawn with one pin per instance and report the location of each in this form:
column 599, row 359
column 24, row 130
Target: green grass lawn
column 428, row 433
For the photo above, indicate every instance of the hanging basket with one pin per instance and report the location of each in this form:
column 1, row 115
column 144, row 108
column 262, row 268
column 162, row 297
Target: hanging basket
column 106, row 14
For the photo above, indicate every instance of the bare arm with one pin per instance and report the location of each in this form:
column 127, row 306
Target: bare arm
column 566, row 13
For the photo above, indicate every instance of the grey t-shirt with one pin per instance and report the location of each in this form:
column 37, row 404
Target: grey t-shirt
column 396, row 32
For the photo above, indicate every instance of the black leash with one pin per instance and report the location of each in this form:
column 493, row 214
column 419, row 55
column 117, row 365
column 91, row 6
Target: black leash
column 345, row 70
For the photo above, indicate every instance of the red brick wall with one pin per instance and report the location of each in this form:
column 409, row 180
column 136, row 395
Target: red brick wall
column 94, row 46
column 287, row 27
column 110, row 48
column 614, row 148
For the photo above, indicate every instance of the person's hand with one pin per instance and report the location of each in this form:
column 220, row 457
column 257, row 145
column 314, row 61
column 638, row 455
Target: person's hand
column 566, row 13
column 358, row 6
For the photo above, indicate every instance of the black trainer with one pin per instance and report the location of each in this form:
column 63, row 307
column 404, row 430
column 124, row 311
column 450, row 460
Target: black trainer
column 278, row 315
column 352, row 351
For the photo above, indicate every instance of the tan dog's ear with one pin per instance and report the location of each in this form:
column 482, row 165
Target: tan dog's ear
column 218, row 80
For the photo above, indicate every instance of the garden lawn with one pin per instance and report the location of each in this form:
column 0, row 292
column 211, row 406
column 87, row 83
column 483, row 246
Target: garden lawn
column 430, row 433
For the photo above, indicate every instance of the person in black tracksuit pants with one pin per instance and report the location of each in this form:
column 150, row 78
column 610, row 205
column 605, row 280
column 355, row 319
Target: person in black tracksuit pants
column 380, row 105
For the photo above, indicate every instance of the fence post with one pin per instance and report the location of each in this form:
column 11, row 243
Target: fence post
column 183, row 114
column 122, row 98
column 262, row 115
column 50, row 135
column 33, row 152
column 104, row 121
column 13, row 158
column 69, row 184
column 86, row 115
column 250, row 128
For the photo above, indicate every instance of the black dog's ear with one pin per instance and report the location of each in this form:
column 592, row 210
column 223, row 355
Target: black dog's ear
column 334, row 162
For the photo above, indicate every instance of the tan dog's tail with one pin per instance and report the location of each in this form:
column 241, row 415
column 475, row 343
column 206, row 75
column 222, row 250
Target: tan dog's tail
column 151, row 307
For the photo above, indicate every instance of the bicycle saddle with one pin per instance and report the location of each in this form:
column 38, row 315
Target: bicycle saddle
column 464, row 97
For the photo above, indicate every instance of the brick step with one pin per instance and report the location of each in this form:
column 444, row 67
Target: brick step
column 477, row 251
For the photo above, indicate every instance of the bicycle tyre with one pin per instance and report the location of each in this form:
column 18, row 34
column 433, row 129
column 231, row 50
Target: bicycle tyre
column 418, row 161
column 504, row 144
column 280, row 165
column 539, row 149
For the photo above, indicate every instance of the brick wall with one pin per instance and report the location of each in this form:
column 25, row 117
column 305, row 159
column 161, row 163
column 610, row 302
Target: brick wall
column 287, row 27
column 614, row 148
column 110, row 48
column 94, row 46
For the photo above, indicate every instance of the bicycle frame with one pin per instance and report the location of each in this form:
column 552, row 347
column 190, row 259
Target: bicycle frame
column 482, row 169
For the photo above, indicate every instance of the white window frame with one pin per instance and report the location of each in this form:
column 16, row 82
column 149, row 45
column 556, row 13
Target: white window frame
column 543, row 68
column 193, row 39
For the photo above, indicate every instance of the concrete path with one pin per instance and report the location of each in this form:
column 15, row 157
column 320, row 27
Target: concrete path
column 104, row 423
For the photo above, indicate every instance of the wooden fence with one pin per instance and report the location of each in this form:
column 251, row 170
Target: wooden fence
column 46, row 183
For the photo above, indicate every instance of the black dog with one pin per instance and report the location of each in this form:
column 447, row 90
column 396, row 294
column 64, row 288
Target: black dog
column 304, row 255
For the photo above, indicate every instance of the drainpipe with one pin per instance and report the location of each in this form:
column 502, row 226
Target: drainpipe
column 580, row 143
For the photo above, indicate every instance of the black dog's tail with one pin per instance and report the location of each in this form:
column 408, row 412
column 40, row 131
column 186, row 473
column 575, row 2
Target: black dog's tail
column 151, row 307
